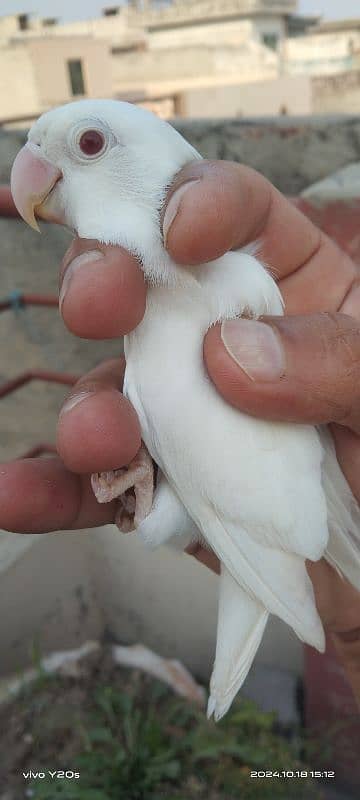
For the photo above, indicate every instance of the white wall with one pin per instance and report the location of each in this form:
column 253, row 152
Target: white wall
column 258, row 99
column 18, row 86
column 46, row 596
column 60, row 589
column 262, row 26
column 321, row 53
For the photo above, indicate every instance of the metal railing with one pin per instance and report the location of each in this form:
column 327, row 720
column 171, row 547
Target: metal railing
column 15, row 301
column 19, row 300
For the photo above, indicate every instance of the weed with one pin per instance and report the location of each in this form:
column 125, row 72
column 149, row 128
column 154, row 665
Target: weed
column 148, row 745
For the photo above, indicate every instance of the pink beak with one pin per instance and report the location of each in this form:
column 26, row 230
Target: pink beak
column 32, row 179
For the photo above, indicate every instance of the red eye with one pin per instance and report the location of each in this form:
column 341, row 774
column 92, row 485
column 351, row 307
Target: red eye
column 91, row 143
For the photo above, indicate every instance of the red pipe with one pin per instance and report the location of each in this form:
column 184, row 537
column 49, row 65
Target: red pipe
column 39, row 450
column 31, row 300
column 40, row 375
column 7, row 205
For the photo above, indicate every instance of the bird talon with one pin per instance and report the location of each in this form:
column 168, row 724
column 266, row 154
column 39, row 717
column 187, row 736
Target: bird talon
column 132, row 486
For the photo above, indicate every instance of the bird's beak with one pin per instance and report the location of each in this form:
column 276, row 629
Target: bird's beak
column 33, row 178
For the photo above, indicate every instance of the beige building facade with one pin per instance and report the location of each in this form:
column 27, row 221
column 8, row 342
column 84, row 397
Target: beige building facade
column 148, row 53
column 209, row 58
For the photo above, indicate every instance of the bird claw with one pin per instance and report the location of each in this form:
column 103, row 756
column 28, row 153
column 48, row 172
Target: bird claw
column 133, row 486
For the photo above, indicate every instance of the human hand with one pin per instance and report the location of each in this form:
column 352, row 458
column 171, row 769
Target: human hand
column 319, row 339
column 225, row 206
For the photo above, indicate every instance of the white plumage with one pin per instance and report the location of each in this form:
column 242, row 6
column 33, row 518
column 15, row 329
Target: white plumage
column 265, row 496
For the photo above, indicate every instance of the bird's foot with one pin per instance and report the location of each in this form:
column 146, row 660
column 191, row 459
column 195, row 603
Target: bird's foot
column 133, row 486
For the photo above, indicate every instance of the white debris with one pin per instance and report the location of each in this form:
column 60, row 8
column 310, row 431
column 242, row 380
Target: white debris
column 64, row 662
column 170, row 671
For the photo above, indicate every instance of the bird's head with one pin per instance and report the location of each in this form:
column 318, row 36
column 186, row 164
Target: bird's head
column 102, row 168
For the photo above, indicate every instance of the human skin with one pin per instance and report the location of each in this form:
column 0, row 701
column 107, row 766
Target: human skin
column 226, row 206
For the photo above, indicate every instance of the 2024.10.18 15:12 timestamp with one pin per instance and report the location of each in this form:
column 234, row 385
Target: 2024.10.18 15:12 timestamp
column 290, row 773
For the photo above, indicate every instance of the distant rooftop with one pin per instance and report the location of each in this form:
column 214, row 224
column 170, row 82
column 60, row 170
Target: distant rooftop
column 299, row 25
column 187, row 12
column 338, row 25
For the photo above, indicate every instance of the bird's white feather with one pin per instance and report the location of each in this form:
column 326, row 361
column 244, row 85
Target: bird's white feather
column 241, row 624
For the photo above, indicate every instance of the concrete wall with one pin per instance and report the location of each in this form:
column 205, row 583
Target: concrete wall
column 47, row 596
column 18, row 84
column 162, row 71
column 292, row 152
column 265, row 26
column 337, row 93
column 291, row 95
column 322, row 53
column 34, row 74
column 115, row 30
column 230, row 32
column 9, row 26
column 54, row 84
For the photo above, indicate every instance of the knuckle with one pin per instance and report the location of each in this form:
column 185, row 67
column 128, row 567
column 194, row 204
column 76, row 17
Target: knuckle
column 339, row 336
column 77, row 248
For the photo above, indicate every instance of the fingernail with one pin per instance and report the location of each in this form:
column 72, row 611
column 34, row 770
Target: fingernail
column 351, row 305
column 77, row 263
column 255, row 347
column 174, row 205
column 74, row 401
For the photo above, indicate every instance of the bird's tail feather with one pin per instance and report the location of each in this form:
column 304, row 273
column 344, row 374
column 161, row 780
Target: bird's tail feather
column 343, row 551
column 276, row 578
column 241, row 624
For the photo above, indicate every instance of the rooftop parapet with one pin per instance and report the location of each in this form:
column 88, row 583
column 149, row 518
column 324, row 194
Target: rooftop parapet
column 183, row 11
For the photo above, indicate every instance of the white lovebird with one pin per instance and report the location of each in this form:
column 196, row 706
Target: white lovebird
column 265, row 496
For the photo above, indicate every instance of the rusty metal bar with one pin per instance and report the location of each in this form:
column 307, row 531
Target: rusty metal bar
column 38, row 375
column 19, row 299
column 48, row 300
column 39, row 450
column 7, row 205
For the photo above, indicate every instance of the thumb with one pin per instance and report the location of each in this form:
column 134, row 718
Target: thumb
column 297, row 368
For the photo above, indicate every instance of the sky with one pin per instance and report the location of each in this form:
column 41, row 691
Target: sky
column 83, row 9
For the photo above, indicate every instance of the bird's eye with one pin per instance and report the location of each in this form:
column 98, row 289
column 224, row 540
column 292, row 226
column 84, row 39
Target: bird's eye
column 92, row 143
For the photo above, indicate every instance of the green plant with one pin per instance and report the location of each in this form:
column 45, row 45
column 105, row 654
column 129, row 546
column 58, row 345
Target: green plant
column 144, row 744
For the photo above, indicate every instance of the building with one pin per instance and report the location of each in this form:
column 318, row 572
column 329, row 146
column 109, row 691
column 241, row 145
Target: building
column 327, row 48
column 209, row 58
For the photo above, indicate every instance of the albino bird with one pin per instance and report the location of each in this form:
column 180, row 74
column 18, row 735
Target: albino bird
column 265, row 496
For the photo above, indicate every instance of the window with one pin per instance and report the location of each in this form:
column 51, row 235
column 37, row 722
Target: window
column 76, row 76
column 271, row 40
column 23, row 22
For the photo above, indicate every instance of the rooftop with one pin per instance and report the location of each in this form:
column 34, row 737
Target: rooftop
column 337, row 25
column 186, row 11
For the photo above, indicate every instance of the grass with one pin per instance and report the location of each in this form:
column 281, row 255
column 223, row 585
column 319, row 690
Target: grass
column 142, row 743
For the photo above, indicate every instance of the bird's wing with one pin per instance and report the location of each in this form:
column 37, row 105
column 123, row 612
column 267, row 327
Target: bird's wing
column 278, row 580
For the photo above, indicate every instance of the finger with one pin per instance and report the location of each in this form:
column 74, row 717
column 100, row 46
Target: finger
column 102, row 292
column 347, row 446
column 297, row 369
column 204, row 556
column 338, row 604
column 98, row 428
column 323, row 283
column 216, row 206
column 40, row 495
